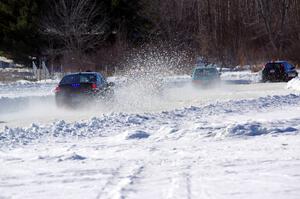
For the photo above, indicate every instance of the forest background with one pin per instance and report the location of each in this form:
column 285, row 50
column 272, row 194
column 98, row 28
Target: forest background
column 84, row 34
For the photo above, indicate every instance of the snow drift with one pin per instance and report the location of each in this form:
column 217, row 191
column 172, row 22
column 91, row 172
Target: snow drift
column 294, row 84
column 143, row 126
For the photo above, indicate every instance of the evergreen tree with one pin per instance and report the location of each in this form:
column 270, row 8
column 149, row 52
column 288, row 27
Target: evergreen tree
column 19, row 35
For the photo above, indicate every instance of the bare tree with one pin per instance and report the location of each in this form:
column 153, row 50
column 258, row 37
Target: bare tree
column 228, row 32
column 76, row 26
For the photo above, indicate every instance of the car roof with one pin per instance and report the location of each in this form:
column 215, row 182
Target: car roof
column 84, row 73
column 277, row 62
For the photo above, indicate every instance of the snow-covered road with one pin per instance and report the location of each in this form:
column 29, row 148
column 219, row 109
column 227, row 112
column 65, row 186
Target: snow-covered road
column 236, row 141
column 23, row 109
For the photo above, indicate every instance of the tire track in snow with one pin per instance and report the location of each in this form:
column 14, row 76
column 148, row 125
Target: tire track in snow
column 187, row 178
column 180, row 187
column 118, row 186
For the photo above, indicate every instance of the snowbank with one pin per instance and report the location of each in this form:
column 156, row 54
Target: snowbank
column 143, row 126
column 137, row 135
column 257, row 129
column 45, row 81
column 241, row 76
column 294, row 84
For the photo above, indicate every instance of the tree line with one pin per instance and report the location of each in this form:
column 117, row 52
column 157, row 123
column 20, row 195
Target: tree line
column 82, row 33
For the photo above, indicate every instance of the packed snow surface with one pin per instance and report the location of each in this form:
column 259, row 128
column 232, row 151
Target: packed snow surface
column 240, row 140
column 294, row 84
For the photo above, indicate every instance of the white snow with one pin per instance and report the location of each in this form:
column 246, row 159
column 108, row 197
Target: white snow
column 294, row 84
column 4, row 59
column 44, row 81
column 238, row 141
column 18, row 69
column 241, row 77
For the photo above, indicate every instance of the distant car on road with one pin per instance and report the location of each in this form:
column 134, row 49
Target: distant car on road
column 81, row 88
column 205, row 76
column 278, row 71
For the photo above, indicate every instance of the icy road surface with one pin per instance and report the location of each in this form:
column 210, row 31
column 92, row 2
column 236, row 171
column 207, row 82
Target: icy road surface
column 23, row 109
column 240, row 141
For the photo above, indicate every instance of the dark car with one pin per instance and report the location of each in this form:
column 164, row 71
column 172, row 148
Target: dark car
column 205, row 76
column 278, row 71
column 82, row 88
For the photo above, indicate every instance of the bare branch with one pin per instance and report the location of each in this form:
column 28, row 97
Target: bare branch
column 75, row 24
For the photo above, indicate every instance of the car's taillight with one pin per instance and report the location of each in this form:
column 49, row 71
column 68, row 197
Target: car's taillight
column 57, row 89
column 94, row 86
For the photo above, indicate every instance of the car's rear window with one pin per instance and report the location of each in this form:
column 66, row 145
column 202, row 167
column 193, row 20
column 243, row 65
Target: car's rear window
column 79, row 78
column 271, row 66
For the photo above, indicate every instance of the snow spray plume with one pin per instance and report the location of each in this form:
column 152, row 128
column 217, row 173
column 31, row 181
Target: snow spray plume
column 145, row 74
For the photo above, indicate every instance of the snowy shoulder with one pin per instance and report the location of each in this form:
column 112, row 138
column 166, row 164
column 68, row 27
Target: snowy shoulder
column 294, row 84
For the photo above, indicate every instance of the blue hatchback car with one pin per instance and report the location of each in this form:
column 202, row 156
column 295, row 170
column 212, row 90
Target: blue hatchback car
column 77, row 89
column 278, row 71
